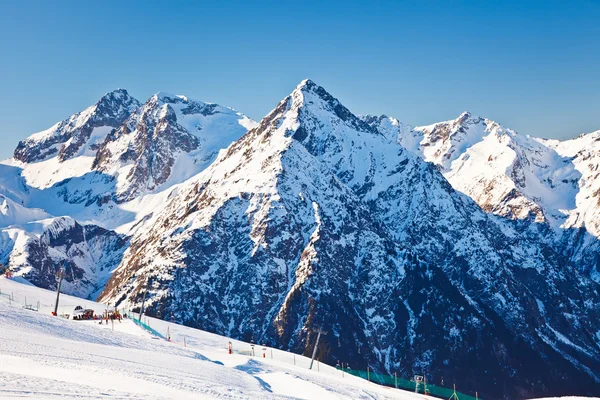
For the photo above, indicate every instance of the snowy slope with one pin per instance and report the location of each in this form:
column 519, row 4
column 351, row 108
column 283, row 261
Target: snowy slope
column 319, row 218
column 79, row 134
column 93, row 169
column 316, row 218
column 167, row 140
column 45, row 357
column 508, row 174
column 12, row 213
column 583, row 154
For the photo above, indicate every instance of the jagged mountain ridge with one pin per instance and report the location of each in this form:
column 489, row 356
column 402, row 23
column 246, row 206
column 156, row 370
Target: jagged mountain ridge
column 517, row 176
column 315, row 218
column 91, row 167
column 66, row 138
column 160, row 133
column 506, row 173
column 157, row 145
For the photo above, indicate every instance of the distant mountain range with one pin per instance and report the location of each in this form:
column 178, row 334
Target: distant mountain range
column 461, row 250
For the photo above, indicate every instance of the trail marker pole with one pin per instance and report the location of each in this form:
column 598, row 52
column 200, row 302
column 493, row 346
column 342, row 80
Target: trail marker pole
column 60, row 276
column 294, row 359
column 454, row 395
column 312, row 360
column 396, row 380
column 368, row 374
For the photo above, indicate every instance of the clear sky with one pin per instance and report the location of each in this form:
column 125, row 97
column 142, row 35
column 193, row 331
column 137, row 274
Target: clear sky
column 533, row 66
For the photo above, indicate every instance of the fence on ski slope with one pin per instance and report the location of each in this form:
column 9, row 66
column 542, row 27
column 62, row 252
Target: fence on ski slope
column 12, row 300
column 264, row 352
column 146, row 327
column 411, row 385
column 19, row 299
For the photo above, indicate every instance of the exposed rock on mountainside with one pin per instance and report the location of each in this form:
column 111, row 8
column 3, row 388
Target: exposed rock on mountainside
column 506, row 173
column 87, row 253
column 539, row 181
column 315, row 218
column 146, row 147
column 84, row 130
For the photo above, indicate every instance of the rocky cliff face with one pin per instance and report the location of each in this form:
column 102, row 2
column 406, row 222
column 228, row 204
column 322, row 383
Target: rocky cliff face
column 541, row 183
column 82, row 131
column 507, row 174
column 167, row 129
column 87, row 253
column 317, row 218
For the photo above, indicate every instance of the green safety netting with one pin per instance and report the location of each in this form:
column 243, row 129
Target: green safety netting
column 401, row 383
column 146, row 327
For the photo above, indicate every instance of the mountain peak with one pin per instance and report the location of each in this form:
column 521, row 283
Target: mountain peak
column 306, row 84
column 165, row 97
column 115, row 94
column 308, row 87
column 464, row 116
column 115, row 102
column 314, row 100
column 68, row 137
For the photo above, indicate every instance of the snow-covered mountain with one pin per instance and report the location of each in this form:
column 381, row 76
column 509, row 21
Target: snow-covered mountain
column 506, row 173
column 104, row 168
column 167, row 140
column 583, row 153
column 81, row 133
column 445, row 249
column 548, row 182
column 317, row 219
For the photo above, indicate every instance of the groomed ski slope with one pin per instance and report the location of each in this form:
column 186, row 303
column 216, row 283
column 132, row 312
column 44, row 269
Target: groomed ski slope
column 45, row 357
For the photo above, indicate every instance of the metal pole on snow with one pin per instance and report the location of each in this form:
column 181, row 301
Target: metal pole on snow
column 312, row 360
column 60, row 276
column 143, row 301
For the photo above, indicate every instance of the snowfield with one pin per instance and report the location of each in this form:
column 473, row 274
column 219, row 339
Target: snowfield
column 45, row 357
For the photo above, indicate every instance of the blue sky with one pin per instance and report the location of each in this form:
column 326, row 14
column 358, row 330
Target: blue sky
column 532, row 66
